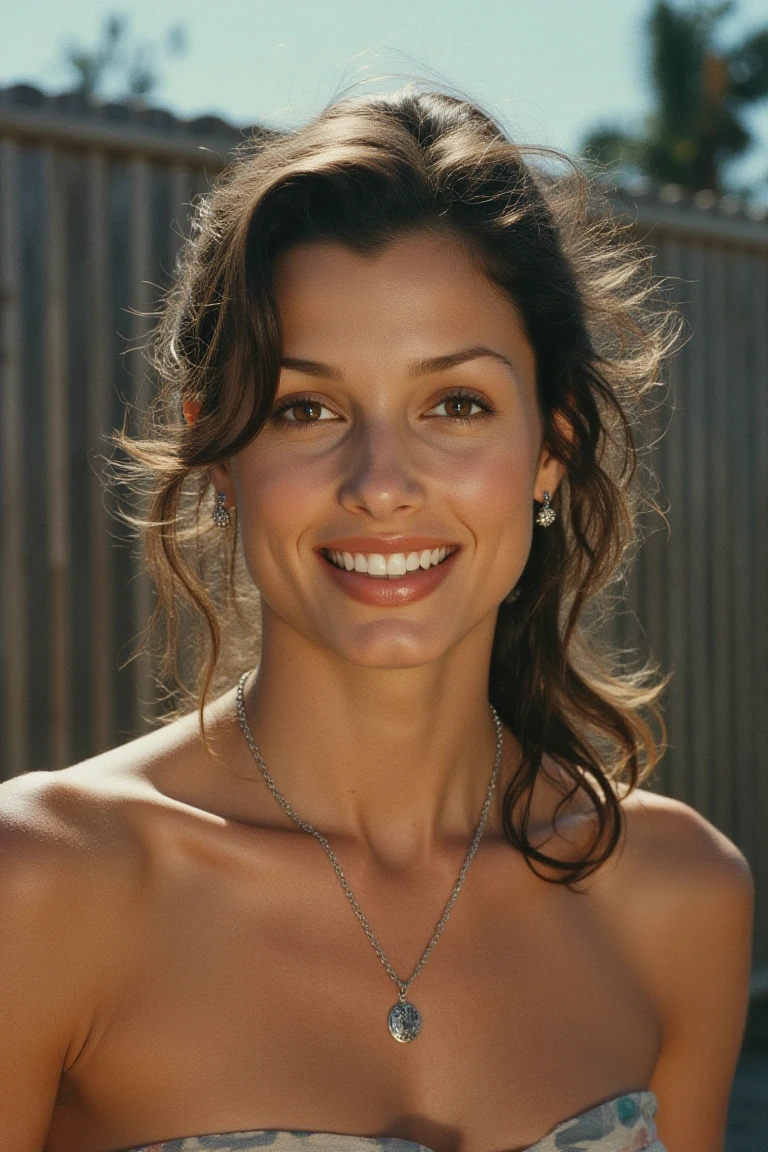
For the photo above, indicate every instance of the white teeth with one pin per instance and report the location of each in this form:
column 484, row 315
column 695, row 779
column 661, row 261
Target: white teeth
column 377, row 565
column 392, row 565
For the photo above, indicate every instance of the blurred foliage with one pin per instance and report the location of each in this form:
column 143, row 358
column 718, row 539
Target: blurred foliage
column 118, row 67
column 701, row 93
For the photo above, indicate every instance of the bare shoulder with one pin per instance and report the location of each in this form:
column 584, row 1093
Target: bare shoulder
column 674, row 884
column 92, row 824
column 63, row 835
column 77, row 860
column 681, row 887
column 680, row 896
column 80, row 827
column 73, row 868
column 669, row 844
column 667, row 849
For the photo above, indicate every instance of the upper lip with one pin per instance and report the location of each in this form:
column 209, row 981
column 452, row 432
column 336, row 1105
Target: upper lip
column 384, row 545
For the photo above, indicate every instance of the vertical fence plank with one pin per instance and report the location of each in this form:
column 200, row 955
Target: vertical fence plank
column 72, row 181
column 757, row 612
column 13, row 748
column 697, row 532
column 102, row 679
column 742, row 506
column 720, row 557
column 36, row 506
column 674, row 575
column 648, row 581
column 56, row 459
column 122, row 566
column 141, row 303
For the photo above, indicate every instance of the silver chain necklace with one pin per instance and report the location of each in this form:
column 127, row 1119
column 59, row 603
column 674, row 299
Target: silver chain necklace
column 404, row 1018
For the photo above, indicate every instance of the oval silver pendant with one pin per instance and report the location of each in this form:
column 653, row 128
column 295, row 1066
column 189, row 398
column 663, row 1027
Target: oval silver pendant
column 404, row 1022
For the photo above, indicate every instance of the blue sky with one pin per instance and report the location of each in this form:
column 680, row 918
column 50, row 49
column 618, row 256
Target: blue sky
column 548, row 68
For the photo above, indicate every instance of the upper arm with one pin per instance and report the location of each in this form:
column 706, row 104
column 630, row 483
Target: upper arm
column 700, row 944
column 42, row 993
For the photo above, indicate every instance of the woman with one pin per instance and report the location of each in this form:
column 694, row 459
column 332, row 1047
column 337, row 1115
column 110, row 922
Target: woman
column 400, row 372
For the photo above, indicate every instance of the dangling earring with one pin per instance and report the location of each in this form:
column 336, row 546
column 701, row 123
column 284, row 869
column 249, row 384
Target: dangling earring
column 546, row 514
column 220, row 514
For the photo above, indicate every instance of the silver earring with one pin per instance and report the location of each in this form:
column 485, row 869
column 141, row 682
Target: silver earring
column 220, row 514
column 546, row 514
column 512, row 596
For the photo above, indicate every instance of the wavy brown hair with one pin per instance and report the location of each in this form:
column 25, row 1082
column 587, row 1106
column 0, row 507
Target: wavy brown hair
column 365, row 171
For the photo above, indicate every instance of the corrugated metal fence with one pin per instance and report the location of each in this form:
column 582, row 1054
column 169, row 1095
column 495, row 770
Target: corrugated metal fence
column 92, row 209
column 700, row 589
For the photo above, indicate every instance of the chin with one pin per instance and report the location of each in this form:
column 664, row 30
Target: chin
column 388, row 643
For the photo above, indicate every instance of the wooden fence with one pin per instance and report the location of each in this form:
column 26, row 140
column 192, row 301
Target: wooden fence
column 92, row 210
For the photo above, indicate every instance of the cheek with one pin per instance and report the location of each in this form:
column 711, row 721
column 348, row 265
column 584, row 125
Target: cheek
column 280, row 498
column 495, row 497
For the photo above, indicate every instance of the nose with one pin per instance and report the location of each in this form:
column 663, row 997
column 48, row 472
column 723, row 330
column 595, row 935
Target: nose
column 381, row 478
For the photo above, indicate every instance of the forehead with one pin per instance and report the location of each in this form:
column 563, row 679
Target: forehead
column 421, row 294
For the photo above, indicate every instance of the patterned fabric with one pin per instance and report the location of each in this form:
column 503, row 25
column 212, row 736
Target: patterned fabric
column 624, row 1124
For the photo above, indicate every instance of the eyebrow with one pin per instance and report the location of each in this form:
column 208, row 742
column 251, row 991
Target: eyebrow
column 417, row 368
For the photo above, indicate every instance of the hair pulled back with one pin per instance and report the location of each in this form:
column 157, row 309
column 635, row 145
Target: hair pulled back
column 367, row 170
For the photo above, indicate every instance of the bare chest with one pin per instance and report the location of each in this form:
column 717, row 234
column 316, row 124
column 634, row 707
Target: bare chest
column 247, row 996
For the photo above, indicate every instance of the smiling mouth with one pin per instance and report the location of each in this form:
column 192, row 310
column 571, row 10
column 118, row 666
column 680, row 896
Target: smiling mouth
column 391, row 566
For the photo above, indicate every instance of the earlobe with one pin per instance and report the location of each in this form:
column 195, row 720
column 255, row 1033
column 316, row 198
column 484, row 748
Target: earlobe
column 221, row 479
column 551, row 469
column 548, row 478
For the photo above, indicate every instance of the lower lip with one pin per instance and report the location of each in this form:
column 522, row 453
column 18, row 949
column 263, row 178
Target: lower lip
column 389, row 592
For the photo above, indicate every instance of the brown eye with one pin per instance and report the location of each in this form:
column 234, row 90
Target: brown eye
column 307, row 411
column 458, row 406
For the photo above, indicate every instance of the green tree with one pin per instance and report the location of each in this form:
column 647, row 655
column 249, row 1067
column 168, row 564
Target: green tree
column 701, row 93
column 117, row 66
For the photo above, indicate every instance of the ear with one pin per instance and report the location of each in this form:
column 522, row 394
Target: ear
column 192, row 410
column 221, row 479
column 550, row 470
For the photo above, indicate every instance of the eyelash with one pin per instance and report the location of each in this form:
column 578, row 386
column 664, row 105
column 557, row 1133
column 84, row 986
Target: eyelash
column 289, row 402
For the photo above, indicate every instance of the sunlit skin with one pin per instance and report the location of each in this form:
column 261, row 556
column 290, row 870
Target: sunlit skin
column 373, row 447
column 177, row 959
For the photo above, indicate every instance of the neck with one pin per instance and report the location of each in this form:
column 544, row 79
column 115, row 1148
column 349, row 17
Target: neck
column 399, row 759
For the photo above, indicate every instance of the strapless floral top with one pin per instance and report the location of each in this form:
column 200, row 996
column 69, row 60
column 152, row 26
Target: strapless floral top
column 624, row 1124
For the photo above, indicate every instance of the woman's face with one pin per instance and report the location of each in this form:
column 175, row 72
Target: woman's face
column 406, row 423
